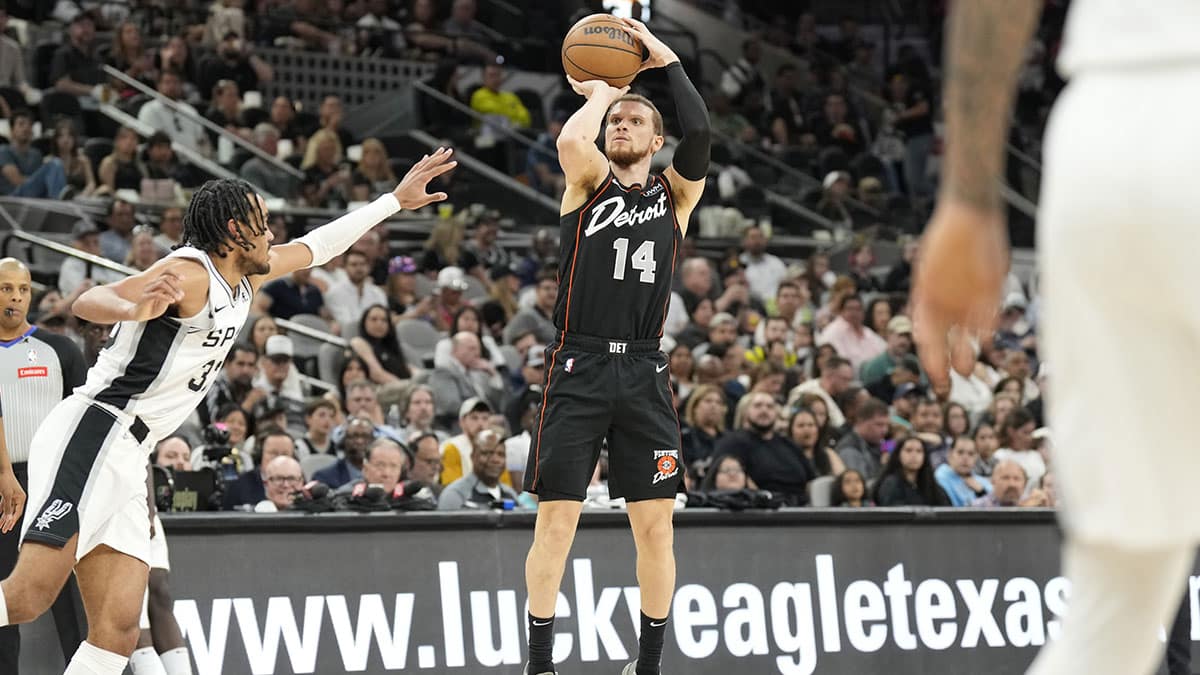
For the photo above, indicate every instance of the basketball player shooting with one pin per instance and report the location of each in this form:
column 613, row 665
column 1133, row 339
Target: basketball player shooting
column 1114, row 190
column 175, row 322
column 606, row 377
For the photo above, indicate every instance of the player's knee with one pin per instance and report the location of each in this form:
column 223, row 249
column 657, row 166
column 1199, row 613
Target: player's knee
column 657, row 533
column 118, row 633
column 27, row 599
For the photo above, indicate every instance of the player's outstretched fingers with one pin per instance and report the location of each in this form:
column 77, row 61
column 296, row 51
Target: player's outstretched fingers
column 10, row 511
column 931, row 332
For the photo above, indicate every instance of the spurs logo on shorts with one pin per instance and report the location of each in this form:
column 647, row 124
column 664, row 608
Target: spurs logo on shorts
column 667, row 463
column 57, row 509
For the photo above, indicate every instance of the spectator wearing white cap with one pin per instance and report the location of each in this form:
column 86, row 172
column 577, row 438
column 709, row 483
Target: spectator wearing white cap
column 832, row 203
column 899, row 345
column 347, row 300
column 278, row 377
column 538, row 319
column 448, row 298
column 473, row 418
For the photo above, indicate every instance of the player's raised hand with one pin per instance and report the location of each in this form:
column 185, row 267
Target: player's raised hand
column 590, row 88
column 660, row 54
column 160, row 293
column 957, row 283
column 411, row 191
column 12, row 501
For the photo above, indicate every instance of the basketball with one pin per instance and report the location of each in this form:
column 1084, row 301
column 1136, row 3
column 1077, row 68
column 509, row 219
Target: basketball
column 600, row 47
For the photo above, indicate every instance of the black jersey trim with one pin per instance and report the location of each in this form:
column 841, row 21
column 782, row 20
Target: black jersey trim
column 575, row 254
column 78, row 461
column 212, row 269
column 149, row 357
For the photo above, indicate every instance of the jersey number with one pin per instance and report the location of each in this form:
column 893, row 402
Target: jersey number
column 642, row 260
column 197, row 383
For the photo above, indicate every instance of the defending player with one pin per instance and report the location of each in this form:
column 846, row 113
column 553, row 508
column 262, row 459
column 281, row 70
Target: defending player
column 1115, row 190
column 605, row 376
column 175, row 323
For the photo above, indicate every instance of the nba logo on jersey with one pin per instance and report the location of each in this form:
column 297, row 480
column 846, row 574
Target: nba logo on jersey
column 31, row 356
column 570, row 365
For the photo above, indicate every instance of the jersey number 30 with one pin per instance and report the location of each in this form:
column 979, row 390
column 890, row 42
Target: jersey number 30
column 642, row 260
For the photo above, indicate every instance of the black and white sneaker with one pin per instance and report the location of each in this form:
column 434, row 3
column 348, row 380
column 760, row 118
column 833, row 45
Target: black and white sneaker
column 544, row 672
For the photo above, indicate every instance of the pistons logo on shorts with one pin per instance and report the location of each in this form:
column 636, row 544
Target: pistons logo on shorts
column 667, row 465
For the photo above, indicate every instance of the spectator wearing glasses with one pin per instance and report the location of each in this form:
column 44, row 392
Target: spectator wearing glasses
column 282, row 478
column 385, row 464
column 251, row 486
column 727, row 473
column 771, row 460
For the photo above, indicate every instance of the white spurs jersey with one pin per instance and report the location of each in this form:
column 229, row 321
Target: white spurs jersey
column 1102, row 34
column 160, row 370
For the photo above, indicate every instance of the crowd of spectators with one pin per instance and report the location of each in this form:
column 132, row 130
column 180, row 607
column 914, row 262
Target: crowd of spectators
column 790, row 376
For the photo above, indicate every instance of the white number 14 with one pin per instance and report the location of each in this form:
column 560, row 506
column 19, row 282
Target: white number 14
column 643, row 260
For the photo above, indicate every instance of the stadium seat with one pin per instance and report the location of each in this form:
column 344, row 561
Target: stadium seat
column 476, row 290
column 314, row 463
column 43, row 55
column 820, row 491
column 306, row 347
column 57, row 104
column 418, row 340
column 97, row 149
column 12, row 97
column 330, row 358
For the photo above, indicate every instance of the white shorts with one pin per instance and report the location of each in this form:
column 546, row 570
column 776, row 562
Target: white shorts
column 1118, row 236
column 87, row 476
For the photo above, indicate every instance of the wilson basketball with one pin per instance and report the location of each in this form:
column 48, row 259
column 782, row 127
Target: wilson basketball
column 600, row 47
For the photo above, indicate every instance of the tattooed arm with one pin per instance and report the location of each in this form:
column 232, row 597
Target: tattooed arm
column 964, row 251
column 985, row 51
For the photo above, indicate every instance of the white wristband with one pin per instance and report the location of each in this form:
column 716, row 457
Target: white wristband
column 332, row 239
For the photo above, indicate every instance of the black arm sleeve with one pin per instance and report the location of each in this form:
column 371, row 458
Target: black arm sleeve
column 691, row 155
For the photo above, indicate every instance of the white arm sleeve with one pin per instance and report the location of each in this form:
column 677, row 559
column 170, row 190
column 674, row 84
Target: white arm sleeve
column 333, row 239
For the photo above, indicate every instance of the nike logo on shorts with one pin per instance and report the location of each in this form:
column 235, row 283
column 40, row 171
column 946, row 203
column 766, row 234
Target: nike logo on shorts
column 659, row 369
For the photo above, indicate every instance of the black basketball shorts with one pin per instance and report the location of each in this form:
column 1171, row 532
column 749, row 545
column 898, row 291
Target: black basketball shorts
column 595, row 389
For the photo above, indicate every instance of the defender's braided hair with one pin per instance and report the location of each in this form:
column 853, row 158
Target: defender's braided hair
column 211, row 208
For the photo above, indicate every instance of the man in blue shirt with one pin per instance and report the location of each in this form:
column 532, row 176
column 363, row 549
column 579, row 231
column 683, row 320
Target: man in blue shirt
column 957, row 475
column 22, row 173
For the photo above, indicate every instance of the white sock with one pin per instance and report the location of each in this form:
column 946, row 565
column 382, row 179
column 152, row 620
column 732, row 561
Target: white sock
column 3, row 608
column 91, row 660
column 177, row 661
column 145, row 661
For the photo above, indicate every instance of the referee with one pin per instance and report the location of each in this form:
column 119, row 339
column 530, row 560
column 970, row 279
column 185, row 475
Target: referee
column 37, row 370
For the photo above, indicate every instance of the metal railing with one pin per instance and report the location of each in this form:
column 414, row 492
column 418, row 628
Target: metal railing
column 187, row 152
column 223, row 133
column 91, row 261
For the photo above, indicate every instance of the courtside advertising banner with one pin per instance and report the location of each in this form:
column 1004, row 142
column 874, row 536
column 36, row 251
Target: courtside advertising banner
column 794, row 593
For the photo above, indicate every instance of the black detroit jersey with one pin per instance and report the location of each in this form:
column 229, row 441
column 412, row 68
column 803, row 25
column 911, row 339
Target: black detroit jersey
column 618, row 260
